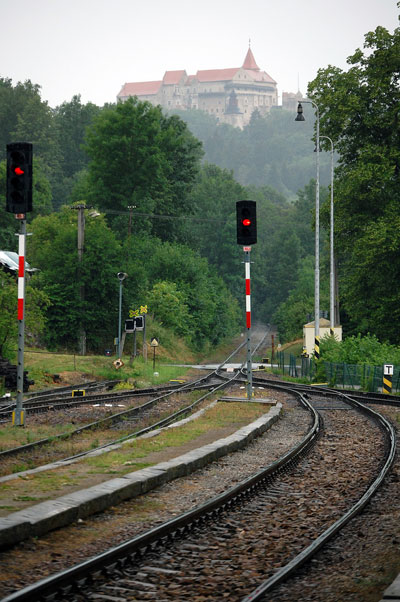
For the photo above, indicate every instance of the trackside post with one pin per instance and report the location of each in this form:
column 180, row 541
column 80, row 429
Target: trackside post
column 249, row 385
column 246, row 234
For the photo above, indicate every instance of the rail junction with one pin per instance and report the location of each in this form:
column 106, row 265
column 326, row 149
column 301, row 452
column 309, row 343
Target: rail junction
column 254, row 539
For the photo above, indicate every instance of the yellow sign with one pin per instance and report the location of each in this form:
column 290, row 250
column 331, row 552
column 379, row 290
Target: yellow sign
column 154, row 342
column 135, row 313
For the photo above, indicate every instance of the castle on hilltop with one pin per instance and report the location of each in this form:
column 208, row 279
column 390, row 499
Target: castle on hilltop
column 231, row 95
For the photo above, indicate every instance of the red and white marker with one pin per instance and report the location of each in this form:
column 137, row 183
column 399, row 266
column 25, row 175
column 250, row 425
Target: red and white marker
column 21, row 276
column 248, row 303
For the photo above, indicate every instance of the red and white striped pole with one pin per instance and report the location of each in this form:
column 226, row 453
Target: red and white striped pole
column 19, row 414
column 248, row 321
column 248, row 296
column 21, row 276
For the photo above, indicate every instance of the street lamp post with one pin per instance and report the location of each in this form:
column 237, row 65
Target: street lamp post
column 332, row 256
column 300, row 117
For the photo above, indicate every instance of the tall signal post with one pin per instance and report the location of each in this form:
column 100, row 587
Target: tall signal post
column 19, row 202
column 246, row 228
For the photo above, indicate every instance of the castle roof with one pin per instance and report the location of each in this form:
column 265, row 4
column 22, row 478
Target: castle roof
column 173, row 77
column 180, row 77
column 140, row 88
column 216, row 75
column 250, row 62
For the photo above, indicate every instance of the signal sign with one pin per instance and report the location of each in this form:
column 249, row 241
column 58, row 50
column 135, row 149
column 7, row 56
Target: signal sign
column 246, row 222
column 19, row 177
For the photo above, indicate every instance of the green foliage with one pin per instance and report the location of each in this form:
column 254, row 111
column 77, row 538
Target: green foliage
column 359, row 111
column 359, row 350
column 271, row 150
column 53, row 249
column 213, row 312
column 140, row 158
column 57, row 135
column 168, row 306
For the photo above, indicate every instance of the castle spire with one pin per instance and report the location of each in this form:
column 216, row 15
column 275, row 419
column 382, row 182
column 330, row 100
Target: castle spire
column 249, row 61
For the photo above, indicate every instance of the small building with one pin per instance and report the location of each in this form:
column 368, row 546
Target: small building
column 324, row 329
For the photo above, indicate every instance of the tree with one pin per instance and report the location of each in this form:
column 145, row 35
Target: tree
column 53, row 249
column 291, row 315
column 139, row 157
column 359, row 111
column 71, row 121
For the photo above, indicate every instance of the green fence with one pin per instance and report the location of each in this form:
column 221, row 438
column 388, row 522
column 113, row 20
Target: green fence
column 349, row 376
column 287, row 364
column 354, row 376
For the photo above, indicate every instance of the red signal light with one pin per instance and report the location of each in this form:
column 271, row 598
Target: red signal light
column 246, row 222
column 19, row 171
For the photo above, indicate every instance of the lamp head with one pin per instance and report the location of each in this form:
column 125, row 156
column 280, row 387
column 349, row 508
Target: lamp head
column 300, row 116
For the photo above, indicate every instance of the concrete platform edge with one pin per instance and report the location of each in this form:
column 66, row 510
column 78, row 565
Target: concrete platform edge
column 52, row 514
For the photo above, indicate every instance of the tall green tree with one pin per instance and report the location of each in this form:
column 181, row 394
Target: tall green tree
column 359, row 110
column 53, row 249
column 141, row 158
column 71, row 121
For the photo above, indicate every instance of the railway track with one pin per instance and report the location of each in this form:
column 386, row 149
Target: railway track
column 157, row 403
column 249, row 539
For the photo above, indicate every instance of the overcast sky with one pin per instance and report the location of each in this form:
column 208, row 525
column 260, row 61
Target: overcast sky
column 92, row 47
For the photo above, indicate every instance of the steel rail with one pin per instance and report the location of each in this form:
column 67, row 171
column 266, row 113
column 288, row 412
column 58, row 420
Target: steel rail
column 121, row 415
column 71, row 579
column 286, row 571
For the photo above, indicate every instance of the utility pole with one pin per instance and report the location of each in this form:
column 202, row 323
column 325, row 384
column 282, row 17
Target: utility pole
column 81, row 243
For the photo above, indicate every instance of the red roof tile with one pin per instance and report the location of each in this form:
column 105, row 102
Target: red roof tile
column 250, row 62
column 140, row 88
column 173, row 77
column 216, row 75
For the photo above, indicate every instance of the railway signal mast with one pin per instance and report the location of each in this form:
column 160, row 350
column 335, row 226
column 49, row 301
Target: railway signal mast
column 246, row 226
column 19, row 202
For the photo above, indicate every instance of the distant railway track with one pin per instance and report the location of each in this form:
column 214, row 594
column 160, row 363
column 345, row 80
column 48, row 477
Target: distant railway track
column 248, row 540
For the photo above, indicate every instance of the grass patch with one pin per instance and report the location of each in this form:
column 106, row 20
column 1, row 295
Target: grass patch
column 220, row 416
column 42, row 366
column 132, row 456
column 25, row 498
column 10, row 436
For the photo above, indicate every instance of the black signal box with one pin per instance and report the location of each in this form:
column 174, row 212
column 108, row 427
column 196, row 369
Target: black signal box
column 19, row 178
column 246, row 222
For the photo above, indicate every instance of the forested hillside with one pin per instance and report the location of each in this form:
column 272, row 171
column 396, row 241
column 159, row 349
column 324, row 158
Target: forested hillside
column 272, row 151
column 166, row 188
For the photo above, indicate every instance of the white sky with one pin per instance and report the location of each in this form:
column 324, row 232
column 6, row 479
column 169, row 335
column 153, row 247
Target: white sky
column 92, row 47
